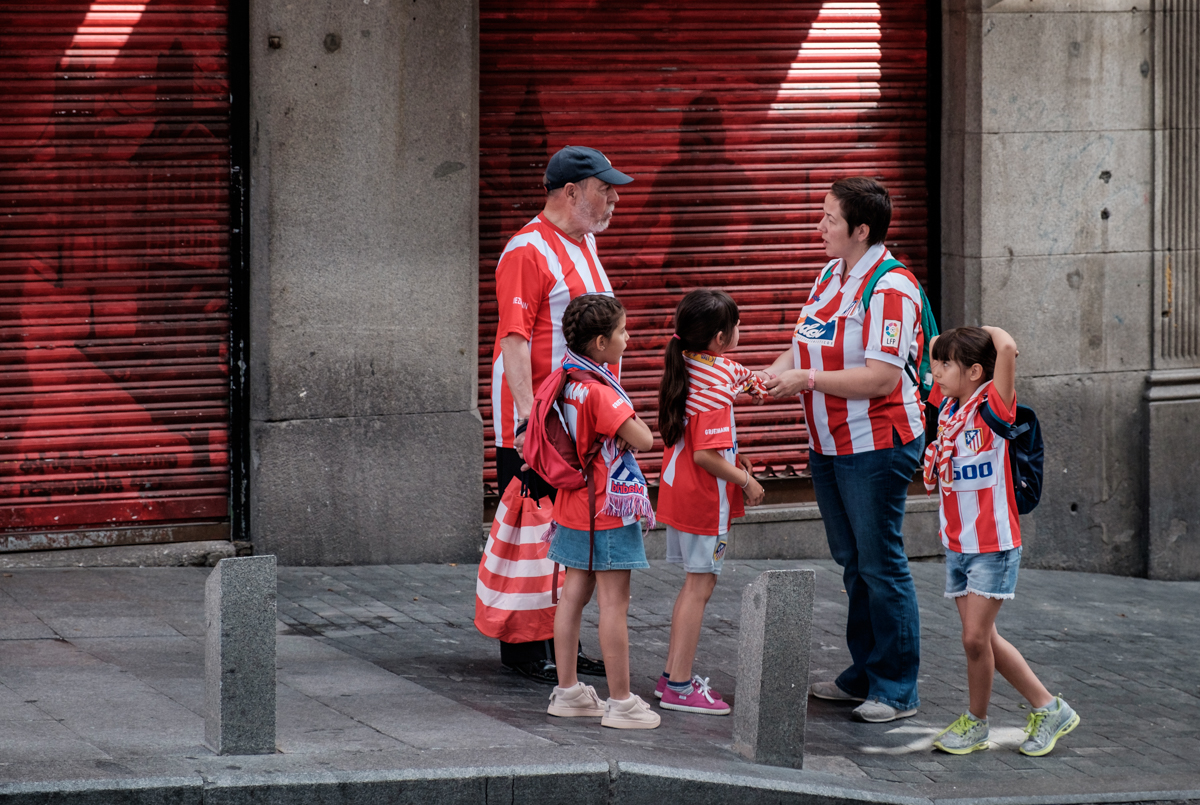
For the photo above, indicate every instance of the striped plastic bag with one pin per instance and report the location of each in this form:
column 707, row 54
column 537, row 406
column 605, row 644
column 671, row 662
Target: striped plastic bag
column 513, row 600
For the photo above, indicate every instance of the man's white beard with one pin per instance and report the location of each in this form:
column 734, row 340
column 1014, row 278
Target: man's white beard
column 593, row 223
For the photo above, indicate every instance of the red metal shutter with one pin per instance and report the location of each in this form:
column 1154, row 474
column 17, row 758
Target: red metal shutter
column 114, row 265
column 734, row 117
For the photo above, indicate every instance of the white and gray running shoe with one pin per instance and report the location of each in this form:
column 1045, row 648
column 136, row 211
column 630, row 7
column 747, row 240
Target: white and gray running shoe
column 1046, row 725
column 967, row 734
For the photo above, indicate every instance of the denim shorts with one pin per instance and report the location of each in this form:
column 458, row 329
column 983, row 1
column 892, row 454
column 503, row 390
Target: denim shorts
column 698, row 553
column 616, row 548
column 991, row 575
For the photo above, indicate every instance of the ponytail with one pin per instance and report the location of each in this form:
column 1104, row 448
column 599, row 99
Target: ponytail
column 699, row 316
column 672, row 393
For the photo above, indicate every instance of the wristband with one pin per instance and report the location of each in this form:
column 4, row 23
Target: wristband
column 812, row 379
column 521, row 425
column 748, row 476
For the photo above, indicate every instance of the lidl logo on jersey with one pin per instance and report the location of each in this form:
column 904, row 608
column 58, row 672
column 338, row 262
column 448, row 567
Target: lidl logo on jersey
column 973, row 439
column 891, row 333
column 814, row 331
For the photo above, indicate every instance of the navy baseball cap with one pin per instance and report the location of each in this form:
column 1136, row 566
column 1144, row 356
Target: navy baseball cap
column 574, row 163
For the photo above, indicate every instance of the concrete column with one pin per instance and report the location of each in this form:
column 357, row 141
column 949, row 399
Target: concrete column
column 1047, row 192
column 1173, row 453
column 366, row 439
column 239, row 657
column 775, row 639
column 1173, row 393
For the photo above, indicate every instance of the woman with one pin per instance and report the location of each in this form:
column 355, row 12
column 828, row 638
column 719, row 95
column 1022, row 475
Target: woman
column 865, row 428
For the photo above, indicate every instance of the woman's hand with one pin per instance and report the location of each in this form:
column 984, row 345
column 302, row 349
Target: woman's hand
column 788, row 384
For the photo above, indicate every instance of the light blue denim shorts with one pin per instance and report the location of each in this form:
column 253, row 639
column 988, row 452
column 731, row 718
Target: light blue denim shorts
column 991, row 575
column 698, row 553
column 616, row 548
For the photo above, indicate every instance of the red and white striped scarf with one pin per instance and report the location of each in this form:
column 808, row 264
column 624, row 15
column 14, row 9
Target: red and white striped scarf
column 938, row 465
column 714, row 382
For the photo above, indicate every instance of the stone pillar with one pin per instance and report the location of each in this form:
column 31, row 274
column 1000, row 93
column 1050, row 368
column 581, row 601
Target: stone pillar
column 366, row 442
column 1173, row 393
column 1173, row 400
column 1047, row 208
column 239, row 657
column 773, row 658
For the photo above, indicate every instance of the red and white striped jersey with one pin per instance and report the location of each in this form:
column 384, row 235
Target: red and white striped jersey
column 835, row 332
column 540, row 271
column 978, row 512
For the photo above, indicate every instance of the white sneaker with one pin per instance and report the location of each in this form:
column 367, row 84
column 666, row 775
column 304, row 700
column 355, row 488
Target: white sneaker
column 831, row 692
column 629, row 714
column 877, row 712
column 577, row 701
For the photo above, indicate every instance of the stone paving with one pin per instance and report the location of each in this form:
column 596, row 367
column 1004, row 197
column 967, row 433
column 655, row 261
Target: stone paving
column 1125, row 652
column 381, row 670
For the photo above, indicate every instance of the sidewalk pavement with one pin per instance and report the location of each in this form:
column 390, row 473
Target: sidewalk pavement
column 383, row 681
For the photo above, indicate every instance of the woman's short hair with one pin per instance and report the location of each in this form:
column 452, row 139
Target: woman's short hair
column 864, row 201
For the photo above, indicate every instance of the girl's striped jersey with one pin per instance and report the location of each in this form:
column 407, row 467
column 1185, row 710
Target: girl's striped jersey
column 540, row 271
column 835, row 332
column 978, row 511
column 690, row 498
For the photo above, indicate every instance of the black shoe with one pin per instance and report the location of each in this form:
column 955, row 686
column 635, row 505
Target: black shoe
column 586, row 665
column 542, row 671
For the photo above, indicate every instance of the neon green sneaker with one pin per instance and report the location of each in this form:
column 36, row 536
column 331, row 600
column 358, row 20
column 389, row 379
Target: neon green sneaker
column 967, row 734
column 1046, row 725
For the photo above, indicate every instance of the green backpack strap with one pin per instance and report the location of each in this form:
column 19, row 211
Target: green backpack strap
column 920, row 373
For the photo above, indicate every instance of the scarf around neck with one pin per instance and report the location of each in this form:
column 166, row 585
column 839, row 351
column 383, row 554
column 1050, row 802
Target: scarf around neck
column 625, row 491
column 938, row 465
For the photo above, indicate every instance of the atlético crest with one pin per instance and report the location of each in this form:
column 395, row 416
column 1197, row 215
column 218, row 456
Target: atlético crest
column 719, row 551
column 973, row 439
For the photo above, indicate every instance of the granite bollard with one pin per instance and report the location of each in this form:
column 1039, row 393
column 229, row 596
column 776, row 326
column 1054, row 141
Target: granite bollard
column 239, row 657
column 773, row 658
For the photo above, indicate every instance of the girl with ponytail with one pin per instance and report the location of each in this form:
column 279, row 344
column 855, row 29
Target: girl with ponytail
column 703, row 478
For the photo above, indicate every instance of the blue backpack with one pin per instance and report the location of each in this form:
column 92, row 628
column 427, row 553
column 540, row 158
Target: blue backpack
column 1025, row 453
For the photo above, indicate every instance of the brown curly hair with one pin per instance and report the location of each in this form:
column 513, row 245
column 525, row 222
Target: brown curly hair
column 588, row 316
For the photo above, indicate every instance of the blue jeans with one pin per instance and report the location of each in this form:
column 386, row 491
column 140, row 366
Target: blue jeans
column 861, row 498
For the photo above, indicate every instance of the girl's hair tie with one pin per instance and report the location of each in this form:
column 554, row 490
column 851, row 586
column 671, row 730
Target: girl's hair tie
column 676, row 336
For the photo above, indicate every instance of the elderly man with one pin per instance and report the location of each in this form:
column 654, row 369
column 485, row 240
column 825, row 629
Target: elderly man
column 544, row 266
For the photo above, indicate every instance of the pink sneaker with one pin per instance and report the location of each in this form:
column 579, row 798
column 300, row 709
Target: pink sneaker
column 697, row 700
column 661, row 687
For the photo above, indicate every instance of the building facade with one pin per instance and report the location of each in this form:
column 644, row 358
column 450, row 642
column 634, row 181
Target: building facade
column 1061, row 205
